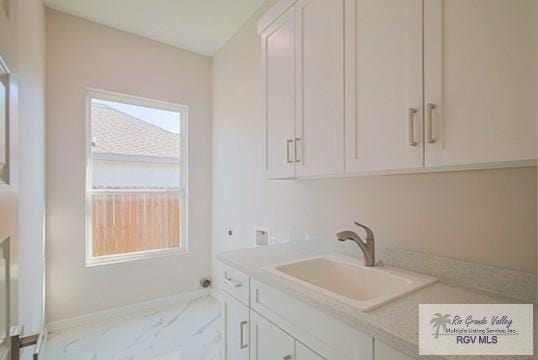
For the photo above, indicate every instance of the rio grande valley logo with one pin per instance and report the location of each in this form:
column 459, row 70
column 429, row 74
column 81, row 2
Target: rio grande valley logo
column 475, row 329
column 440, row 321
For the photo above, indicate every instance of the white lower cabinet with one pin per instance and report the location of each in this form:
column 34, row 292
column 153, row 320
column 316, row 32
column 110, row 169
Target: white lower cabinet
column 271, row 325
column 326, row 336
column 236, row 329
column 304, row 353
column 268, row 341
column 383, row 352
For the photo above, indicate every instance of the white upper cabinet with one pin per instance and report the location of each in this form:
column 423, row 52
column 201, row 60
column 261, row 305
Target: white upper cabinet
column 383, row 85
column 278, row 62
column 480, row 81
column 320, row 87
column 303, row 64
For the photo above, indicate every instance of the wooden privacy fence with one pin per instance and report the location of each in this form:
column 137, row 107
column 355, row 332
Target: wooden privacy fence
column 125, row 222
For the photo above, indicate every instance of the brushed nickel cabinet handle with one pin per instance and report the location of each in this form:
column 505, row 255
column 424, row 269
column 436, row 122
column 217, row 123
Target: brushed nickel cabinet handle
column 411, row 118
column 429, row 109
column 242, row 344
column 297, row 160
column 231, row 282
column 288, row 143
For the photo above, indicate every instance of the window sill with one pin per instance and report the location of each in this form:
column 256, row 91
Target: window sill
column 135, row 256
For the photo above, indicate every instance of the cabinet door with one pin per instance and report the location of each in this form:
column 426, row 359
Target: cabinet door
column 480, row 81
column 384, row 85
column 383, row 352
column 268, row 341
column 278, row 62
column 304, row 353
column 236, row 329
column 320, row 87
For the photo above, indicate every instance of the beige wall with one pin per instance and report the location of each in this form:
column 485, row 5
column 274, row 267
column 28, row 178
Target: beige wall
column 82, row 54
column 487, row 217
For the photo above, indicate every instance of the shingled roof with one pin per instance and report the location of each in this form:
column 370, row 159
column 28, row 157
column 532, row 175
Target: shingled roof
column 114, row 132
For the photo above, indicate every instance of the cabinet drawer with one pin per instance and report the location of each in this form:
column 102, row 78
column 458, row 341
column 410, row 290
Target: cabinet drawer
column 332, row 340
column 235, row 283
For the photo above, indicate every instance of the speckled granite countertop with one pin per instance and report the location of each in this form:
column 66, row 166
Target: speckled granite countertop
column 395, row 324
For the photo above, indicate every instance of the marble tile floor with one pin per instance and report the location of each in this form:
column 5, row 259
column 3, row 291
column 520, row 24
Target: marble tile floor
column 184, row 331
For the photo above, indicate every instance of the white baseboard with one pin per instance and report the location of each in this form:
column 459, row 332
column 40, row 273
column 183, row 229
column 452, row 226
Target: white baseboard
column 124, row 310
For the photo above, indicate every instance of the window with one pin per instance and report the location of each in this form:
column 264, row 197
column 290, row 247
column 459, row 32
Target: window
column 136, row 178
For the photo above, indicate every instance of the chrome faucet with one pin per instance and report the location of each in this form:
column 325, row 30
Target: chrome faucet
column 367, row 247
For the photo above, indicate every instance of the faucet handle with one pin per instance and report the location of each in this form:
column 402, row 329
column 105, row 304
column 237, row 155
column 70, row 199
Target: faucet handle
column 369, row 232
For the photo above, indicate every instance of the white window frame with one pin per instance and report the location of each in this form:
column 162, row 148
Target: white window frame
column 183, row 186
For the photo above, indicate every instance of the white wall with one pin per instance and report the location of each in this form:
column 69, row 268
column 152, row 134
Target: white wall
column 83, row 54
column 487, row 217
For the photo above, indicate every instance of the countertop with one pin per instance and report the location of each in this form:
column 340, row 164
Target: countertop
column 395, row 324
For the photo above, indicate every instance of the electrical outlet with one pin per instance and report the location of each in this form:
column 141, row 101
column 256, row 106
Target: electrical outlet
column 263, row 235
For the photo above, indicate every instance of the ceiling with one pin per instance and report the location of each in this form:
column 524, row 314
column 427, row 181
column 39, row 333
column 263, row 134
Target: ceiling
column 202, row 26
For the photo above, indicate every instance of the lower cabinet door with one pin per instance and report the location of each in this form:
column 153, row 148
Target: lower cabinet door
column 236, row 329
column 268, row 342
column 304, row 353
column 383, row 352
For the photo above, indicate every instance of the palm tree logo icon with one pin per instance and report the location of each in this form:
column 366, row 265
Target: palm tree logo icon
column 440, row 321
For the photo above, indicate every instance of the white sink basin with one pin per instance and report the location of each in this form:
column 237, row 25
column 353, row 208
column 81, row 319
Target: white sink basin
column 346, row 280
